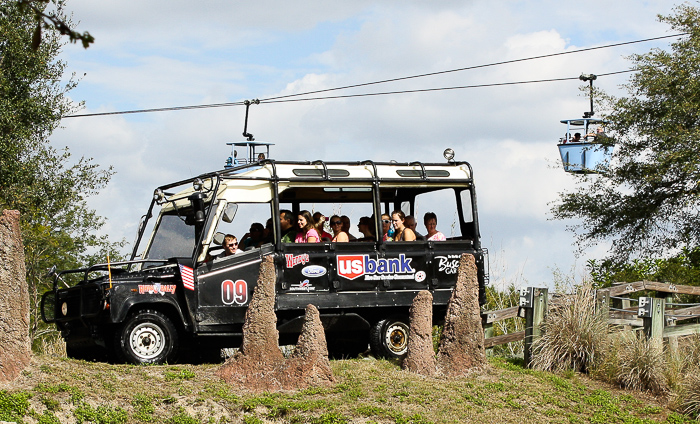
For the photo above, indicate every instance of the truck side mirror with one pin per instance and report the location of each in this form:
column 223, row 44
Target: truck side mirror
column 230, row 212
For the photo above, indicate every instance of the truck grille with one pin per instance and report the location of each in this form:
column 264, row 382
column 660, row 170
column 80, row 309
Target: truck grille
column 78, row 302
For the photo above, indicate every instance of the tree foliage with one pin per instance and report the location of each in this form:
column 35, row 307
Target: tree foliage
column 46, row 185
column 680, row 269
column 648, row 203
column 52, row 21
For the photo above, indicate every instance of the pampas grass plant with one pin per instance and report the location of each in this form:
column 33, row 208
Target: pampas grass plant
column 574, row 334
column 689, row 394
column 641, row 364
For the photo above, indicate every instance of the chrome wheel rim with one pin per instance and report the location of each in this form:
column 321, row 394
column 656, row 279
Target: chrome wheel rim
column 397, row 338
column 147, row 341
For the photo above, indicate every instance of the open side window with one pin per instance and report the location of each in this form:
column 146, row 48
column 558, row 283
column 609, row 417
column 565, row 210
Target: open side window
column 250, row 223
column 444, row 202
column 353, row 202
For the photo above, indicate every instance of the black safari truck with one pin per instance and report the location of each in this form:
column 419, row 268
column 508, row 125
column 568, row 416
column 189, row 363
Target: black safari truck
column 178, row 298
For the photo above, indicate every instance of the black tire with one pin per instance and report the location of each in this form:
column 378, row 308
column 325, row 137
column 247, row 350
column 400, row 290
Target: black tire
column 388, row 338
column 147, row 337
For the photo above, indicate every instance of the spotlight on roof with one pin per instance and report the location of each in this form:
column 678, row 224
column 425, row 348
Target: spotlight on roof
column 449, row 154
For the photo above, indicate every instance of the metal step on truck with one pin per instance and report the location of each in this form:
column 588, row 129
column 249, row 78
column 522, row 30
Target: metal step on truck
column 180, row 297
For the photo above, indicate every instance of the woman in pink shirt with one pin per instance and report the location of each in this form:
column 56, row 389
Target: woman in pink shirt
column 307, row 232
column 430, row 221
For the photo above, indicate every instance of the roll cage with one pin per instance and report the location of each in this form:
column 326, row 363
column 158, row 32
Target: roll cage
column 392, row 184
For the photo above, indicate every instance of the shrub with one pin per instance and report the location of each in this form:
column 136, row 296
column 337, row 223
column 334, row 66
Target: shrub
column 689, row 396
column 641, row 365
column 574, row 334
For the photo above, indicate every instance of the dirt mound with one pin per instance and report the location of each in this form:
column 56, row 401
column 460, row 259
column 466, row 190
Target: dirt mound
column 259, row 365
column 309, row 365
column 260, row 341
column 462, row 343
column 420, row 357
column 15, row 347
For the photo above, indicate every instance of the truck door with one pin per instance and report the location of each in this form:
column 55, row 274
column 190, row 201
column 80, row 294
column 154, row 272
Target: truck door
column 224, row 288
column 225, row 283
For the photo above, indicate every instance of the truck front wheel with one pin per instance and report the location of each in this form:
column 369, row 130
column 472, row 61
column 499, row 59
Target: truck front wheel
column 389, row 337
column 147, row 337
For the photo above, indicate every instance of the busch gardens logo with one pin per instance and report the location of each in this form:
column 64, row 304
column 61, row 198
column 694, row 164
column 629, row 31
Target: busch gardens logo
column 354, row 266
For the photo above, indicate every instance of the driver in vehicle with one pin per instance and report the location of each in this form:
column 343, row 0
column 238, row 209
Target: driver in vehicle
column 230, row 245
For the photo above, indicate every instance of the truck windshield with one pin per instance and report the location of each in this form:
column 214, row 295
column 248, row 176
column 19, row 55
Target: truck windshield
column 173, row 238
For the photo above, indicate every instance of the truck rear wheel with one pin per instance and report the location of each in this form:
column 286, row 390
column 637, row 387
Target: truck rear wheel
column 147, row 337
column 388, row 338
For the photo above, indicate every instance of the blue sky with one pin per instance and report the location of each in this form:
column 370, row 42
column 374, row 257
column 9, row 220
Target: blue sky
column 162, row 53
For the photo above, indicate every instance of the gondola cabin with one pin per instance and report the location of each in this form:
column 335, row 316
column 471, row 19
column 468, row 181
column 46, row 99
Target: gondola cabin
column 585, row 148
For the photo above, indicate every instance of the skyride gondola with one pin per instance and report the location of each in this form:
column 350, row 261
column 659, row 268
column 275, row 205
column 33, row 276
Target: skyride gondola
column 585, row 148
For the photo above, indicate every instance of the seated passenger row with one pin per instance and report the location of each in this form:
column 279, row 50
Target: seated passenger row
column 397, row 227
column 310, row 229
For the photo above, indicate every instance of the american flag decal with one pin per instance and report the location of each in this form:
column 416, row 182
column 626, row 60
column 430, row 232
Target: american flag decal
column 187, row 277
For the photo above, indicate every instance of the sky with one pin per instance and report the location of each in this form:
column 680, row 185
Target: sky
column 166, row 53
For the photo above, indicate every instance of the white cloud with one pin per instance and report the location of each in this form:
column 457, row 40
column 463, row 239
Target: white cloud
column 173, row 53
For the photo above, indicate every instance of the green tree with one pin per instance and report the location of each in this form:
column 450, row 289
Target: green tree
column 648, row 203
column 680, row 269
column 53, row 21
column 46, row 185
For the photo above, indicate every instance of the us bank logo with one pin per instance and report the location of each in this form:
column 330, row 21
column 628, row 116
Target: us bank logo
column 355, row 266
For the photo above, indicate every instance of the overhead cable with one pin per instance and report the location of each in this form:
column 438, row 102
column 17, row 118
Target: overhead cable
column 279, row 99
column 423, row 90
column 505, row 62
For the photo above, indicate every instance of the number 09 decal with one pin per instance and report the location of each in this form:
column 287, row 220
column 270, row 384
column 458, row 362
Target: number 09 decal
column 234, row 292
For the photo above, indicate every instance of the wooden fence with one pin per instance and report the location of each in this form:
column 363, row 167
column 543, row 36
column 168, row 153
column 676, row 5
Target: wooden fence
column 656, row 316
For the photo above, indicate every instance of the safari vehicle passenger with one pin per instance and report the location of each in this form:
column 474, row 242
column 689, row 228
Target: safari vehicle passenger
column 168, row 301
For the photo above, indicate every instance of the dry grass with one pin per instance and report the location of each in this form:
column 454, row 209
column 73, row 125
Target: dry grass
column 641, row 365
column 574, row 334
column 689, row 394
column 367, row 391
column 685, row 367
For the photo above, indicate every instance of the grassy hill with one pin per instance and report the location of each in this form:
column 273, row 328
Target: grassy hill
column 54, row 390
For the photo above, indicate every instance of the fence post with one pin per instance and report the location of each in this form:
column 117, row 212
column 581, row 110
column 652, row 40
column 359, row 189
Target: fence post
column 537, row 298
column 652, row 311
column 672, row 340
column 603, row 302
column 489, row 331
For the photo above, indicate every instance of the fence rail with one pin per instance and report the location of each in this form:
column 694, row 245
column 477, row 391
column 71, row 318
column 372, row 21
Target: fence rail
column 653, row 316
